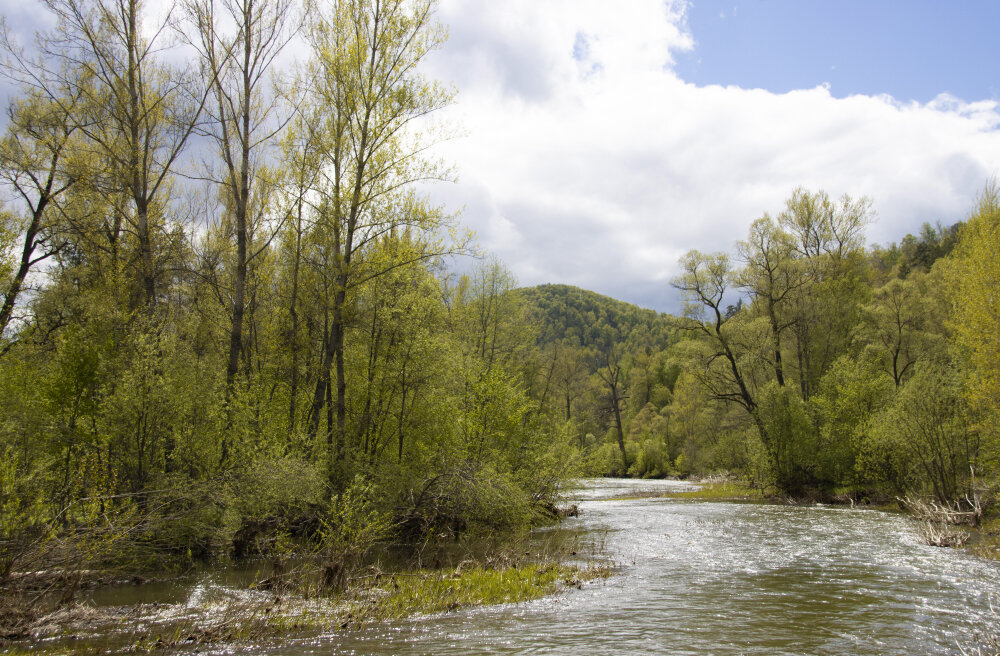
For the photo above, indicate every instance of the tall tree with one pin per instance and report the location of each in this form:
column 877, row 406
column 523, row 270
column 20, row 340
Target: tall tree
column 772, row 275
column 37, row 163
column 239, row 42
column 613, row 377
column 367, row 53
column 897, row 325
column 974, row 278
column 828, row 238
column 705, row 282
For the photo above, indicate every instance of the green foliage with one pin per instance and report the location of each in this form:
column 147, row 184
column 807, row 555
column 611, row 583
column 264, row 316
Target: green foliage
column 464, row 586
column 589, row 320
column 351, row 528
column 916, row 252
column 301, row 371
column 973, row 276
column 924, row 437
column 791, row 436
column 851, row 394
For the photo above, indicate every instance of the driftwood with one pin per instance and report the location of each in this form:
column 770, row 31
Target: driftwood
column 940, row 522
column 932, row 510
column 943, row 535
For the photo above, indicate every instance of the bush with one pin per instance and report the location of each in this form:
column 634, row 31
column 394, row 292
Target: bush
column 791, row 436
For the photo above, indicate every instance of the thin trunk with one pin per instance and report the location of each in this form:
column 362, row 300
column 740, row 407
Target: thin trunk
column 241, row 196
column 402, row 412
column 322, row 383
column 330, row 462
column 779, row 373
column 615, row 401
column 137, row 169
column 10, row 297
column 335, row 350
column 294, row 312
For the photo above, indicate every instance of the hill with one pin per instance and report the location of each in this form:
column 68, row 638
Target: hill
column 590, row 319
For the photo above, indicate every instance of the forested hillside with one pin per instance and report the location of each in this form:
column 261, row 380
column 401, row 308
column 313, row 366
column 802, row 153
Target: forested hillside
column 588, row 319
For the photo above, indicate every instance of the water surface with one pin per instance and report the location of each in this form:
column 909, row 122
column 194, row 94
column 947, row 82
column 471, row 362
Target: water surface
column 720, row 578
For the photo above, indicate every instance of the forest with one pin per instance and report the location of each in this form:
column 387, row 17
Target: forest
column 233, row 324
column 805, row 361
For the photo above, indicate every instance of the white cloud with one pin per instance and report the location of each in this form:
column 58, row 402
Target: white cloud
column 593, row 164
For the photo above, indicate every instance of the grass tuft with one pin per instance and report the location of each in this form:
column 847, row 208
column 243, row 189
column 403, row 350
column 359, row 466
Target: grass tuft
column 720, row 491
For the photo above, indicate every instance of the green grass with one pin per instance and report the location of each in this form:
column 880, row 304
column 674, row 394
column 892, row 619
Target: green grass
column 721, row 491
column 445, row 590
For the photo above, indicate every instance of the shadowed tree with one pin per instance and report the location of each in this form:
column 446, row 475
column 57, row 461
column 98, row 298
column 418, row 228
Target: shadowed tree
column 38, row 164
column 239, row 42
column 136, row 111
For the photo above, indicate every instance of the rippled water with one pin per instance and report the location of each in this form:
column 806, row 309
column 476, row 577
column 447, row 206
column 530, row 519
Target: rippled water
column 722, row 578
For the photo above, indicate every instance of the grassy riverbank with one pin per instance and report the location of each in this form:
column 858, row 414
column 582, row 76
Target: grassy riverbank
column 243, row 617
column 720, row 491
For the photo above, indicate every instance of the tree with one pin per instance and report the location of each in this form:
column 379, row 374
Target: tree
column 243, row 123
column 896, row 327
column 367, row 53
column 974, row 277
column 613, row 376
column 927, row 433
column 37, row 162
column 771, row 276
column 705, row 282
column 828, row 238
column 136, row 111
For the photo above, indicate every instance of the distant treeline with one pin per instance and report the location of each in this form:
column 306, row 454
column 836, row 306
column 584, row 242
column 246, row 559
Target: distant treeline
column 804, row 361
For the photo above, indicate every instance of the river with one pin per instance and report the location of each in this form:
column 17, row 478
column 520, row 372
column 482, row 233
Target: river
column 721, row 578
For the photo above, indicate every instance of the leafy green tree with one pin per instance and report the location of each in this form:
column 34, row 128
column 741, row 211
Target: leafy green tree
column 851, row 394
column 829, row 240
column 973, row 277
column 613, row 376
column 771, row 276
column 136, row 110
column 896, row 328
column 927, row 435
column 239, row 63
column 705, row 282
column 372, row 94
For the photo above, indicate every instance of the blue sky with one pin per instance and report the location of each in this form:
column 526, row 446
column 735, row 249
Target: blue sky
column 909, row 49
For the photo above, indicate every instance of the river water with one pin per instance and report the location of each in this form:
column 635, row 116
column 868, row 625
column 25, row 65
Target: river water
column 721, row 578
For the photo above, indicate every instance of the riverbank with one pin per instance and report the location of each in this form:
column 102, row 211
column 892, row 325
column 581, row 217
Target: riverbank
column 287, row 608
column 800, row 579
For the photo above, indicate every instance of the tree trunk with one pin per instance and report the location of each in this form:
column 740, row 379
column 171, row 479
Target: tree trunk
column 615, row 404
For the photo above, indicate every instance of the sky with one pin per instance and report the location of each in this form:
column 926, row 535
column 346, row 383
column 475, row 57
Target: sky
column 605, row 140
column 596, row 142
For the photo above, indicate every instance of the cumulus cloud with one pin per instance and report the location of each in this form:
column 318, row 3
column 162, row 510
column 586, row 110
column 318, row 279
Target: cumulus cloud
column 588, row 161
